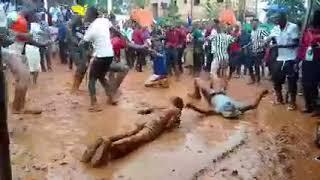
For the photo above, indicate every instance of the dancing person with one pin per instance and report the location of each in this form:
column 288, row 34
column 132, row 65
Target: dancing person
column 14, row 61
column 220, row 103
column 286, row 36
column 79, row 54
column 99, row 34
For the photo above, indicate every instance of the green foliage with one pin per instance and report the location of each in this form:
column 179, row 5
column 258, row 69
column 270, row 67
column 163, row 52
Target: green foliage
column 296, row 9
column 172, row 18
column 140, row 3
column 212, row 8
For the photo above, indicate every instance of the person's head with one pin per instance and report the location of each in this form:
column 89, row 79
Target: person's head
column 91, row 14
column 282, row 19
column 316, row 19
column 255, row 23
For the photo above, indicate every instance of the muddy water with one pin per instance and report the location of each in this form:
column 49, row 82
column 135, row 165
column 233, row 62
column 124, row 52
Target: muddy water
column 49, row 146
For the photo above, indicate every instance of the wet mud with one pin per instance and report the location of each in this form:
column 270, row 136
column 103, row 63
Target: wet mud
column 268, row 143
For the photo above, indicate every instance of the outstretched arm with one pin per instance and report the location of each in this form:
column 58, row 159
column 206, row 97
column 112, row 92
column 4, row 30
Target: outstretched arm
column 150, row 110
column 201, row 111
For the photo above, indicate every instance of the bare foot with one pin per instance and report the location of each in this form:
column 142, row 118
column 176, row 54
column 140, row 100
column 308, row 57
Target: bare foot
column 95, row 108
column 27, row 111
column 101, row 154
column 91, row 149
column 112, row 101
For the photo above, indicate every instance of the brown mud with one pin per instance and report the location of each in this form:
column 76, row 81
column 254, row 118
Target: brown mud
column 268, row 143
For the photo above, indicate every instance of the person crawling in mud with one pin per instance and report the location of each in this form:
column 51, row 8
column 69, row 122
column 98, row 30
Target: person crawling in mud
column 221, row 103
column 117, row 146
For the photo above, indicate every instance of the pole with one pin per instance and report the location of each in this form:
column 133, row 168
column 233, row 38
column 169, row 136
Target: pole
column 5, row 165
column 256, row 9
column 191, row 9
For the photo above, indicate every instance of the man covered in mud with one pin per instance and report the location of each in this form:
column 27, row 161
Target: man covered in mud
column 221, row 103
column 79, row 53
column 14, row 61
column 120, row 145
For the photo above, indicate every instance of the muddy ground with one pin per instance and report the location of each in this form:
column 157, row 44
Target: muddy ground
column 268, row 143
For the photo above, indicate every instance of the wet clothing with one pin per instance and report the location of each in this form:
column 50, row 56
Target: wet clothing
column 226, row 106
column 98, row 70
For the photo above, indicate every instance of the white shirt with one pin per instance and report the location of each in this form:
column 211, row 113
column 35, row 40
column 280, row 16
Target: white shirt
column 285, row 37
column 99, row 34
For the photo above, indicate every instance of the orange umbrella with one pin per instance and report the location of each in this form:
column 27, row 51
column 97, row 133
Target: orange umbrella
column 227, row 16
column 142, row 16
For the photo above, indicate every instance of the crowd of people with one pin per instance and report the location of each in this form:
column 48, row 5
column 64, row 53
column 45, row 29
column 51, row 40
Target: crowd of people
column 96, row 45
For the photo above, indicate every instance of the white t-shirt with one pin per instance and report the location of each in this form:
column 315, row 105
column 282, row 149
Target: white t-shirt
column 285, row 37
column 99, row 34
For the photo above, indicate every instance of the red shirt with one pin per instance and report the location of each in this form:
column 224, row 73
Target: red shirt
column 137, row 37
column 21, row 26
column 310, row 37
column 172, row 38
column 235, row 47
column 182, row 37
column 118, row 44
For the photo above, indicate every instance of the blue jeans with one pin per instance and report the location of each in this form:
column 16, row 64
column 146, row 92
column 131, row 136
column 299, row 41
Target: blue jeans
column 172, row 60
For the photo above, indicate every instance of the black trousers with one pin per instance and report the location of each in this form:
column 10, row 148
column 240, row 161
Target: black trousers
column 281, row 71
column 209, row 56
column 98, row 71
column 235, row 63
column 140, row 60
column 63, row 52
column 254, row 63
column 179, row 60
column 198, row 60
column 310, row 82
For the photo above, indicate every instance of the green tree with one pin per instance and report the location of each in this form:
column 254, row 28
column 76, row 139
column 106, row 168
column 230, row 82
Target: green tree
column 296, row 9
column 140, row 3
column 172, row 17
column 212, row 9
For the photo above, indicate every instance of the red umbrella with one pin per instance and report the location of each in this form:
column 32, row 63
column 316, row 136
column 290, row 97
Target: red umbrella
column 227, row 16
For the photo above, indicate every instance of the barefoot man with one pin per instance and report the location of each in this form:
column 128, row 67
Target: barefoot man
column 221, row 103
column 120, row 145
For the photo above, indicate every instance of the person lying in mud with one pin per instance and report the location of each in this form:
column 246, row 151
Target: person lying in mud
column 104, row 150
column 221, row 103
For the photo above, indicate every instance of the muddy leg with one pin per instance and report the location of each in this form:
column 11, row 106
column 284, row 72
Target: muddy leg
column 91, row 149
column 126, row 134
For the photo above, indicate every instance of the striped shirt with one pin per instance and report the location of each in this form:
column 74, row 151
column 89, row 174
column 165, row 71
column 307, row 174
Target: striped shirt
column 258, row 40
column 220, row 44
